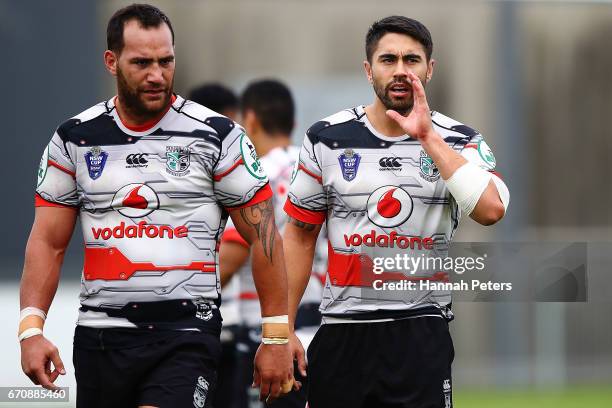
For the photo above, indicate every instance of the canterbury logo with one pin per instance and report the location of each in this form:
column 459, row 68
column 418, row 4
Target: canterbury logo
column 390, row 162
column 136, row 159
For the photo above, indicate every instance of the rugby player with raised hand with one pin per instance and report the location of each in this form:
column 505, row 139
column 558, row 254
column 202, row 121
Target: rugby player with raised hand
column 381, row 176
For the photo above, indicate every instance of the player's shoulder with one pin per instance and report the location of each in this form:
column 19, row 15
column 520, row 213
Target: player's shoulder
column 90, row 115
column 204, row 116
column 343, row 117
column 337, row 127
column 452, row 128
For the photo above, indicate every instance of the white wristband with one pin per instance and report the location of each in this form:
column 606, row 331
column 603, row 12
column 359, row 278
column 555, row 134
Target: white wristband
column 276, row 319
column 27, row 311
column 274, row 340
column 27, row 333
column 467, row 184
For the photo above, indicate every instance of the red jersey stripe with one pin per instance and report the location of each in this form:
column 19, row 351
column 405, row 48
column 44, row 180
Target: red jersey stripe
column 41, row 202
column 112, row 264
column 310, row 173
column 262, row 195
column 228, row 171
column 62, row 168
column 304, row 215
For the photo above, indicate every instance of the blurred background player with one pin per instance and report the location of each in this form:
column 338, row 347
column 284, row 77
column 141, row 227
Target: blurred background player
column 380, row 176
column 221, row 99
column 268, row 113
column 217, row 97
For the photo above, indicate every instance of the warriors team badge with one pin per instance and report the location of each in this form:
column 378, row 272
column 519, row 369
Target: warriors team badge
column 200, row 393
column 177, row 160
column 95, row 160
column 428, row 169
column 349, row 164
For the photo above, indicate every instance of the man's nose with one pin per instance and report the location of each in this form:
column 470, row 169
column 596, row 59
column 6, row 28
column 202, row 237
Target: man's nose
column 155, row 74
column 401, row 70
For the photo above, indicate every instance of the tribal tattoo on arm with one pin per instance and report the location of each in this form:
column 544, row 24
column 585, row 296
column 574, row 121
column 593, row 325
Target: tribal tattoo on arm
column 261, row 217
column 300, row 224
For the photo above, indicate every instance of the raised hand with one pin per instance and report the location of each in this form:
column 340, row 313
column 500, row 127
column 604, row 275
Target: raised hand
column 418, row 123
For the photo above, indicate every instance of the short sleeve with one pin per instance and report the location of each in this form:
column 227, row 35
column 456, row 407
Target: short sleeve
column 306, row 199
column 478, row 152
column 239, row 178
column 56, row 186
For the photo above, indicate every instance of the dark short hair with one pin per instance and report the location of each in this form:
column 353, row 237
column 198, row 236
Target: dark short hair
column 214, row 96
column 272, row 103
column 398, row 25
column 146, row 15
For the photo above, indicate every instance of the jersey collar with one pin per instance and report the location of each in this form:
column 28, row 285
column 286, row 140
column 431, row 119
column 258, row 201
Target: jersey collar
column 145, row 128
column 364, row 118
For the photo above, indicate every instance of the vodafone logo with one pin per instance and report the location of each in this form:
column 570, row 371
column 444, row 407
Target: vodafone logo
column 389, row 206
column 135, row 200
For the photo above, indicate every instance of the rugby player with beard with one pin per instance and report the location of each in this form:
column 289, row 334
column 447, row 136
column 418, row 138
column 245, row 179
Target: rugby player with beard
column 154, row 178
column 395, row 170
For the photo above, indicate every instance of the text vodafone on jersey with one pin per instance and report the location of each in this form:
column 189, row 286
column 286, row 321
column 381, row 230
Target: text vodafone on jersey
column 390, row 240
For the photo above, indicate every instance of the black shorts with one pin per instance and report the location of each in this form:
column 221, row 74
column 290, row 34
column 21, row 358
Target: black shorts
column 131, row 367
column 225, row 393
column 403, row 363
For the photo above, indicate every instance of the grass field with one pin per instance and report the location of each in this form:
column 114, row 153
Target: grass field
column 578, row 397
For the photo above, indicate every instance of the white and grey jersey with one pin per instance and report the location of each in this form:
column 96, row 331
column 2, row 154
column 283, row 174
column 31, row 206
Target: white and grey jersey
column 153, row 203
column 379, row 196
column 279, row 163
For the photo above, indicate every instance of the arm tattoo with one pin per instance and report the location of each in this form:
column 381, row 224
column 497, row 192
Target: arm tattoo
column 261, row 217
column 300, row 224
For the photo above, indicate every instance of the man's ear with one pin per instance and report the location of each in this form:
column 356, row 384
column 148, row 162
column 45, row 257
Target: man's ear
column 430, row 69
column 368, row 70
column 251, row 122
column 110, row 62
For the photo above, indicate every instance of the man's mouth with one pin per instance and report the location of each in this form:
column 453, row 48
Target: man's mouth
column 400, row 90
column 154, row 93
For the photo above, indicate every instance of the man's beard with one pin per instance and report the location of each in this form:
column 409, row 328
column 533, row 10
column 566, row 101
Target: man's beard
column 401, row 106
column 132, row 101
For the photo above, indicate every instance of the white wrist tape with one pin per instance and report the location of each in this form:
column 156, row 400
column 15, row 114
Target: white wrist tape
column 502, row 190
column 274, row 340
column 467, row 184
column 276, row 319
column 27, row 333
column 27, row 311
